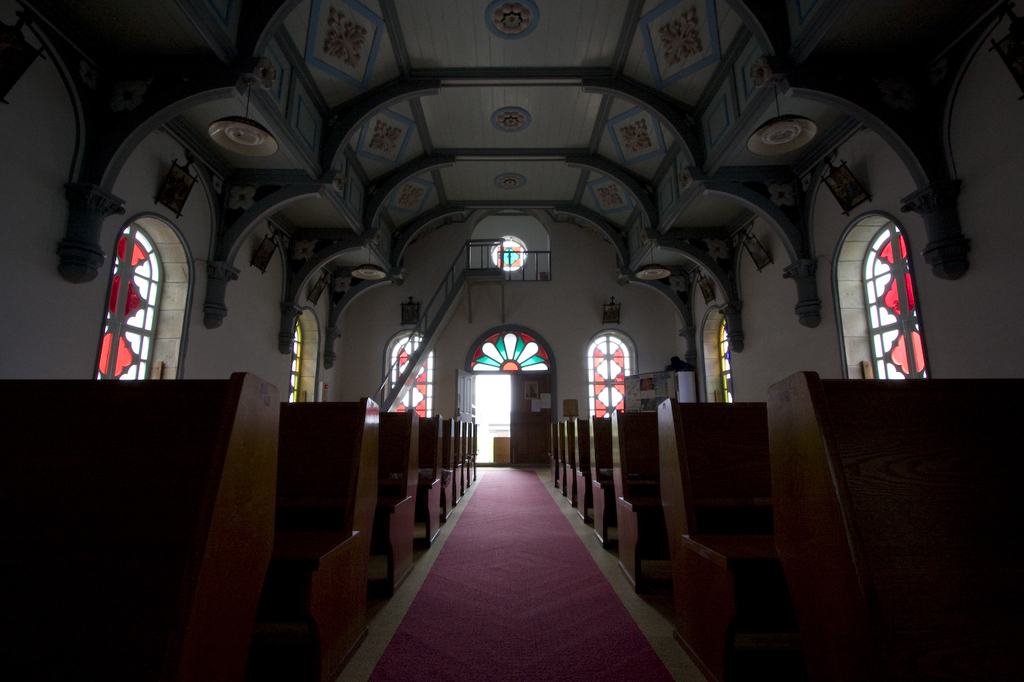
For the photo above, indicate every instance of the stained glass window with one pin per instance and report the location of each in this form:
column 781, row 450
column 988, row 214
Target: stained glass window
column 609, row 360
column 896, row 343
column 510, row 352
column 726, row 361
column 293, row 393
column 420, row 397
column 510, row 254
column 128, row 331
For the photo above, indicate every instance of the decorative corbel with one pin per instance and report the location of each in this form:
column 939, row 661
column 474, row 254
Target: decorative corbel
column 947, row 247
column 218, row 274
column 808, row 306
column 289, row 316
column 329, row 355
column 79, row 251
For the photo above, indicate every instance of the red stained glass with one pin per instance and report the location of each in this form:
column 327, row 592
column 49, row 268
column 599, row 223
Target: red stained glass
column 138, row 255
column 124, row 357
column 886, row 253
column 105, row 352
column 115, row 287
column 892, row 297
column 121, row 244
column 131, row 301
column 510, row 366
column 899, row 353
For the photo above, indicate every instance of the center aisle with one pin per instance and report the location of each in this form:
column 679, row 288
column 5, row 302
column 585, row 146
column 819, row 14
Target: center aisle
column 514, row 595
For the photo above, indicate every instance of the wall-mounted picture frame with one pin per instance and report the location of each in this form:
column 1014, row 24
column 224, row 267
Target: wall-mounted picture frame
column 176, row 187
column 16, row 55
column 611, row 312
column 263, row 253
column 758, row 254
column 707, row 289
column 531, row 390
column 314, row 292
column 410, row 312
column 845, row 187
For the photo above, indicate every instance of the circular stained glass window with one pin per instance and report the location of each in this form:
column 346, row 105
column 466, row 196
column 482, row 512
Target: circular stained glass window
column 510, row 254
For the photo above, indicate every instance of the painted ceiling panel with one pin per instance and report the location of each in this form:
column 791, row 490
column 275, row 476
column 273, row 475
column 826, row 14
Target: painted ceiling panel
column 156, row 27
column 711, row 211
column 412, row 198
column 457, row 35
column 545, row 181
column 313, row 212
column 557, row 117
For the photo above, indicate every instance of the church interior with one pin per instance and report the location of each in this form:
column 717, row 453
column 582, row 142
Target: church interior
column 384, row 199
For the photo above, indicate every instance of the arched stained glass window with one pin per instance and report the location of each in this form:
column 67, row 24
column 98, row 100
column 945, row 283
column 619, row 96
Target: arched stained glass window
column 127, row 344
column 725, row 360
column 420, row 396
column 510, row 254
column 510, row 352
column 293, row 393
column 896, row 343
column 609, row 359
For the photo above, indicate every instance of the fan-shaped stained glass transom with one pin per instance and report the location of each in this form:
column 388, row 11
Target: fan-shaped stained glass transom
column 896, row 343
column 510, row 352
column 130, row 324
column 609, row 360
column 420, row 396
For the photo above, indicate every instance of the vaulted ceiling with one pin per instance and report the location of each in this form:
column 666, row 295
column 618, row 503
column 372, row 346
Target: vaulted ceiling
column 394, row 116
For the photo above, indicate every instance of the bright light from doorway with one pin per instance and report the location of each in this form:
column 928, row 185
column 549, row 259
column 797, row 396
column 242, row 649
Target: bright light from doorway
column 493, row 396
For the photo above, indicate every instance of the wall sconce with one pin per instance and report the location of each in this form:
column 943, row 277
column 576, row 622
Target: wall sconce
column 177, row 186
column 410, row 312
column 314, row 292
column 261, row 257
column 16, row 56
column 1011, row 48
column 611, row 312
column 706, row 288
column 844, row 186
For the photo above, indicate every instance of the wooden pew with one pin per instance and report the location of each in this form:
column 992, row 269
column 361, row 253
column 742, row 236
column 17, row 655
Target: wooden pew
column 138, row 522
column 555, row 457
column 584, row 489
column 571, row 458
column 452, row 425
column 448, row 488
column 428, row 488
column 312, row 613
column 460, row 457
column 731, row 602
column 601, row 480
column 642, row 533
column 394, row 523
column 898, row 524
column 476, row 447
column 563, row 459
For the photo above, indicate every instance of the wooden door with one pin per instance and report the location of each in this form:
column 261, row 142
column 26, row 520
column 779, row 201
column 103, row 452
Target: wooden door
column 530, row 431
column 464, row 398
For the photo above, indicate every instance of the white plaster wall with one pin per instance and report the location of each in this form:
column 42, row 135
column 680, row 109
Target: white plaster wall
column 565, row 312
column 51, row 327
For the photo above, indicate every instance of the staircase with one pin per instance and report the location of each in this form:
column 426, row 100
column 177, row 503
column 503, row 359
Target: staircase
column 472, row 264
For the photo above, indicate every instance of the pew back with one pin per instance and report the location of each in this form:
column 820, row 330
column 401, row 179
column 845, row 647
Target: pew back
column 398, row 459
column 430, row 448
column 635, row 455
column 137, row 525
column 898, row 525
column 582, row 429
column 601, row 449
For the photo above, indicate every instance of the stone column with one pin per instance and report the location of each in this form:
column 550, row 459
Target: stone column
column 947, row 247
column 808, row 306
column 218, row 274
column 80, row 253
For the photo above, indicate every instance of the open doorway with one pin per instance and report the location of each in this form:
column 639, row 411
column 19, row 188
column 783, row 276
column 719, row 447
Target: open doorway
column 493, row 397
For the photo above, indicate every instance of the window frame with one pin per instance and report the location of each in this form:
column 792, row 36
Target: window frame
column 629, row 367
column 427, row 368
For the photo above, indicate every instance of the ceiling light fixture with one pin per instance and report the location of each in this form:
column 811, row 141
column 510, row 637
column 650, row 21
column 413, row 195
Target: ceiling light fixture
column 653, row 270
column 781, row 134
column 242, row 134
column 369, row 271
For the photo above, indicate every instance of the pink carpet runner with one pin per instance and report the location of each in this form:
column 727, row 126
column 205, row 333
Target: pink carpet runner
column 514, row 595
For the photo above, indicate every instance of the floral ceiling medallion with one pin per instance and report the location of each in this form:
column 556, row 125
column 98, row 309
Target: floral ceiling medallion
column 385, row 136
column 637, row 136
column 510, row 119
column 412, row 196
column 511, row 20
column 609, row 196
column 509, row 181
column 680, row 38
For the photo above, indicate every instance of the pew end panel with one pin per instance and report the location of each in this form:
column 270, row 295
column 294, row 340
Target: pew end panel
column 584, row 486
column 395, row 521
column 448, row 497
column 156, row 574
column 428, row 488
column 603, row 493
column 898, row 526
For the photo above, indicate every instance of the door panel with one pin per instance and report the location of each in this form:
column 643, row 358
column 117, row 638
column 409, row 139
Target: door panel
column 530, row 431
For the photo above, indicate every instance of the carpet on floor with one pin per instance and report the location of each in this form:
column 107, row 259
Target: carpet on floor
column 515, row 596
